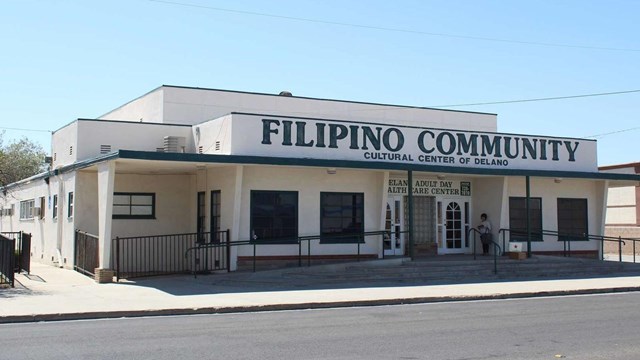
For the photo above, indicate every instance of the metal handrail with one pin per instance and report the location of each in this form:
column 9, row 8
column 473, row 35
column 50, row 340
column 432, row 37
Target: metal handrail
column 291, row 241
column 568, row 238
column 496, row 248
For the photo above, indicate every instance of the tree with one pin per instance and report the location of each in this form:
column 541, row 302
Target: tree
column 20, row 160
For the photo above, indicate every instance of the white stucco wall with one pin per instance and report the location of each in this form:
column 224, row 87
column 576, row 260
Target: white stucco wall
column 127, row 136
column 488, row 197
column 52, row 239
column 192, row 106
column 87, row 200
column 309, row 183
column 174, row 201
column 64, row 145
column 147, row 108
column 214, row 136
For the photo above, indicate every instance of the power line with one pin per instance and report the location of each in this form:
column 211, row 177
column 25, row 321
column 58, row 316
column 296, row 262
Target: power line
column 21, row 129
column 382, row 28
column 540, row 99
column 613, row 132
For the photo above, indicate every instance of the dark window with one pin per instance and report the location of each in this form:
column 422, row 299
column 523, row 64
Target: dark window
column 70, row 205
column 518, row 218
column 134, row 205
column 43, row 205
column 215, row 215
column 341, row 217
column 572, row 219
column 201, row 216
column 274, row 216
column 54, row 211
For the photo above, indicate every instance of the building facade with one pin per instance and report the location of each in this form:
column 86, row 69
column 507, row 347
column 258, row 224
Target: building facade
column 272, row 169
column 623, row 209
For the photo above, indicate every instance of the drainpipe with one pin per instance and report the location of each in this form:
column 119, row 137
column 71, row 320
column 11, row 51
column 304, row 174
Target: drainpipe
column 410, row 198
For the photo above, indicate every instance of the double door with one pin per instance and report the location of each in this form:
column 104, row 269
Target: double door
column 451, row 225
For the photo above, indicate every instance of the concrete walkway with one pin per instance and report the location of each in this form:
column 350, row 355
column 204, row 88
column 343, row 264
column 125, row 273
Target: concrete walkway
column 50, row 293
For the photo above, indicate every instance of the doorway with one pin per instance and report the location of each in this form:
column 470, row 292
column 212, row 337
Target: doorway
column 393, row 242
column 453, row 225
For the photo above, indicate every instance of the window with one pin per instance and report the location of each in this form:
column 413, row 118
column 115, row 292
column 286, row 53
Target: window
column 341, row 217
column 54, row 212
column 70, row 205
column 134, row 205
column 200, row 217
column 43, row 205
column 26, row 209
column 215, row 215
column 518, row 218
column 274, row 216
column 572, row 219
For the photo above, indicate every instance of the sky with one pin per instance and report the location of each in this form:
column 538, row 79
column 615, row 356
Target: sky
column 66, row 59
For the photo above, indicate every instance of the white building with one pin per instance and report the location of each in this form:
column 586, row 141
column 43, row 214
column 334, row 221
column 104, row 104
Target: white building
column 273, row 168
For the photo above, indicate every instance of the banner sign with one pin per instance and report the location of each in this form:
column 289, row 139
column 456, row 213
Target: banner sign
column 328, row 139
column 428, row 187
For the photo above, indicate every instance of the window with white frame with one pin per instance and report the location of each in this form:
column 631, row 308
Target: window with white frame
column 26, row 209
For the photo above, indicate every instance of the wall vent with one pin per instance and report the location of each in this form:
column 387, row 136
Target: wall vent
column 200, row 149
column 174, row 144
column 217, row 145
column 105, row 149
column 70, row 150
column 55, row 156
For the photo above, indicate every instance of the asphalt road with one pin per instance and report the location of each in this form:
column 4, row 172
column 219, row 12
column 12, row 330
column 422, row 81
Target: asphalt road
column 575, row 327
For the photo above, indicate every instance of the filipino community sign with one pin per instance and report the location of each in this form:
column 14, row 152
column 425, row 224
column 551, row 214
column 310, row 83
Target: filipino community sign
column 327, row 139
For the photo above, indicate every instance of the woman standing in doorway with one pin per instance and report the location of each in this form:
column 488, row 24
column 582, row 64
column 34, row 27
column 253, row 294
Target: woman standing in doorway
column 485, row 233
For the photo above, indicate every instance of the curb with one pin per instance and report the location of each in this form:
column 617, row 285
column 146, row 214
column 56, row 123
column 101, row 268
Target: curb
column 299, row 306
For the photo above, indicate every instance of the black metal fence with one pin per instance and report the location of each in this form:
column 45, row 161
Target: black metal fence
column 302, row 242
column 164, row 254
column 7, row 260
column 22, row 250
column 87, row 253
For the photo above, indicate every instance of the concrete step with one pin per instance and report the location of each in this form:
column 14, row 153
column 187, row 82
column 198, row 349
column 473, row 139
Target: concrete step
column 469, row 270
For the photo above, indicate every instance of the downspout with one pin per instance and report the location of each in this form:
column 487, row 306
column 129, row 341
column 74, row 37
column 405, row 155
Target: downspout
column 410, row 197
column 60, row 222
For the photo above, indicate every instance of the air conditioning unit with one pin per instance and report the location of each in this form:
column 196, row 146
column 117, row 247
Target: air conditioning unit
column 174, row 144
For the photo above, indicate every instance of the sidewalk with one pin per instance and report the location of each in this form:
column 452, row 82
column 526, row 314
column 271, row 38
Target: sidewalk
column 50, row 293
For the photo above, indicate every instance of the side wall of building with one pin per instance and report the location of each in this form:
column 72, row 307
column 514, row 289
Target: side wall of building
column 52, row 240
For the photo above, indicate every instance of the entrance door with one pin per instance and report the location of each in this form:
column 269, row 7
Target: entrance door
column 394, row 243
column 453, row 217
column 200, row 217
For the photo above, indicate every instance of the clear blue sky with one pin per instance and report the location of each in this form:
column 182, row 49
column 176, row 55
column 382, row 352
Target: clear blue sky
column 61, row 60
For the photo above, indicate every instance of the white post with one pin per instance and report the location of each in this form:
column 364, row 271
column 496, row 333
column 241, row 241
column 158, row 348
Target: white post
column 237, row 213
column 106, row 177
column 383, row 208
